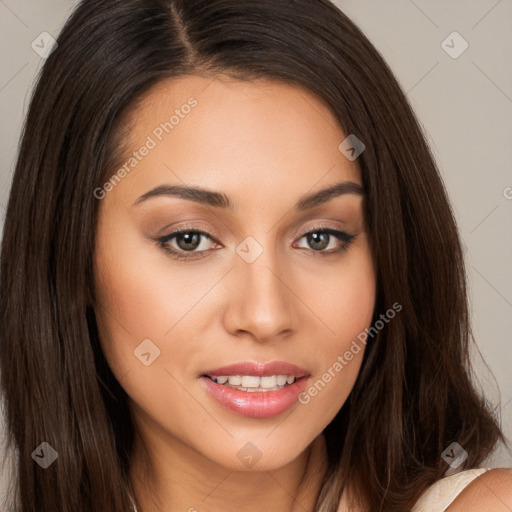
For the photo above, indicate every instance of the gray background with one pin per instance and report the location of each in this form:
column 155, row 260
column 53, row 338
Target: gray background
column 463, row 103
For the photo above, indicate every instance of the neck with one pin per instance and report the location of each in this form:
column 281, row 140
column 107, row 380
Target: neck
column 185, row 480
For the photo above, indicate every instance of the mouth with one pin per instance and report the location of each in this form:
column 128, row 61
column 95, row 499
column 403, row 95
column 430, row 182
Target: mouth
column 259, row 390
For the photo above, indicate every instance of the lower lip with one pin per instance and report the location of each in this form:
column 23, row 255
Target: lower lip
column 256, row 404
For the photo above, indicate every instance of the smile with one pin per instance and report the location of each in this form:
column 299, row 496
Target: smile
column 256, row 390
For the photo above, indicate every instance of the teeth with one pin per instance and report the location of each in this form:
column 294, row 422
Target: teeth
column 247, row 381
column 251, row 382
column 269, row 381
column 281, row 380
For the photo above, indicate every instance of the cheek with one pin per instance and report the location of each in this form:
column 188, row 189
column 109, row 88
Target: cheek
column 344, row 295
column 346, row 307
column 134, row 303
column 141, row 321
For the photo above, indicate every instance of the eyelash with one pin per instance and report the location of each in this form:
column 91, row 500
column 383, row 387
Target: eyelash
column 343, row 236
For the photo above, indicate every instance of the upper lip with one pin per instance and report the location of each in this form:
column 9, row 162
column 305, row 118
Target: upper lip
column 259, row 369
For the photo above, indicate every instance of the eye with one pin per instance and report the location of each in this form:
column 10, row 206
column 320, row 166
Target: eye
column 320, row 239
column 186, row 241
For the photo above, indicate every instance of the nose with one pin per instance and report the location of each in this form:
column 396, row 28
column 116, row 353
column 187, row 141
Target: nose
column 261, row 303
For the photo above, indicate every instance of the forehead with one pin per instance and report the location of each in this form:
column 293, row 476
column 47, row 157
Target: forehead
column 222, row 132
column 224, row 94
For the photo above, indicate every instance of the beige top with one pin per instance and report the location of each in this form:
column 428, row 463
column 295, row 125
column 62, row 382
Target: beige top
column 439, row 496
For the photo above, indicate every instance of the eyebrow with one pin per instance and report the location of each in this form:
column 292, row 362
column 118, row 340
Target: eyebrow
column 221, row 200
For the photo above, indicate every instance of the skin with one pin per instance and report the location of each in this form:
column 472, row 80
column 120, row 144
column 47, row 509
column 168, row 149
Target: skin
column 490, row 491
column 264, row 144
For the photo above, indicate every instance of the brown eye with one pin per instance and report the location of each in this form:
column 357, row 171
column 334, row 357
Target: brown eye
column 188, row 241
column 183, row 241
column 319, row 239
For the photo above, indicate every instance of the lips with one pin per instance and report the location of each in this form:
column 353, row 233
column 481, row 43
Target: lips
column 262, row 398
column 259, row 369
column 257, row 405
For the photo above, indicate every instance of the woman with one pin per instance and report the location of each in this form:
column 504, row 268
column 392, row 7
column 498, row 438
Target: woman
column 189, row 171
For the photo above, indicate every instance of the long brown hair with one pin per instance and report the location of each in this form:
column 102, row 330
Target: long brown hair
column 414, row 394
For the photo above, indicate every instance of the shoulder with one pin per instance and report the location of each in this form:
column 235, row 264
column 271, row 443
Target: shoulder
column 472, row 490
column 467, row 491
column 491, row 490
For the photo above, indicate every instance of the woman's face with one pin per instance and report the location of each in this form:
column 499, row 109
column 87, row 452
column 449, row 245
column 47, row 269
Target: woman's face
column 257, row 289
